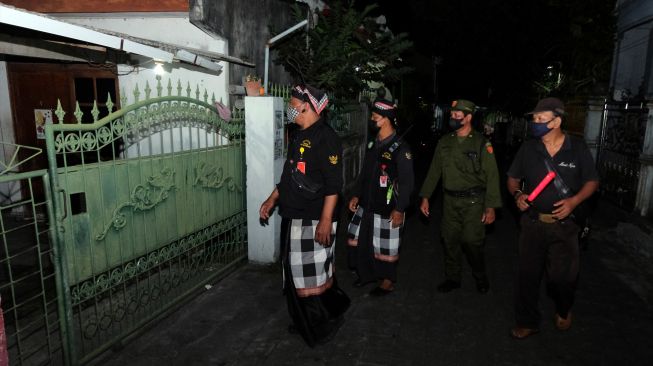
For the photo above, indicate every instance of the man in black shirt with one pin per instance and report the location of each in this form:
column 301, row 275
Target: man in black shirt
column 549, row 232
column 380, row 197
column 307, row 195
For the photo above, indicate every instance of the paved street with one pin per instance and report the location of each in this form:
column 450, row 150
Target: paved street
column 242, row 320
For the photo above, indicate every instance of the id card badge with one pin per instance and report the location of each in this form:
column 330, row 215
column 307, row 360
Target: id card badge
column 383, row 181
column 301, row 166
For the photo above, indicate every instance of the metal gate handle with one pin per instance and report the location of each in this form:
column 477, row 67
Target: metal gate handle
column 63, row 201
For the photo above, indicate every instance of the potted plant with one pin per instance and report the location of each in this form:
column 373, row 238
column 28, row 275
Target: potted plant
column 252, row 85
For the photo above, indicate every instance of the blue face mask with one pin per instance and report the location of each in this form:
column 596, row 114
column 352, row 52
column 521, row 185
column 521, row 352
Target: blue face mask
column 540, row 129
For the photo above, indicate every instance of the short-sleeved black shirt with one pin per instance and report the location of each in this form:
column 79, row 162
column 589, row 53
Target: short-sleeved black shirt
column 391, row 157
column 318, row 150
column 573, row 162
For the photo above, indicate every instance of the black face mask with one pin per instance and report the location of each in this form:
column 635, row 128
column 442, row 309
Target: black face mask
column 455, row 123
column 373, row 126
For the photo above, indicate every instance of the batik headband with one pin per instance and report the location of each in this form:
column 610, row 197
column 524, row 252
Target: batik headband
column 316, row 97
column 385, row 108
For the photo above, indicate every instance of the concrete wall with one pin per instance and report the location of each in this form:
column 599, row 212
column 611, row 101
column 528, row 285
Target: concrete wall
column 644, row 204
column 632, row 66
column 8, row 191
column 246, row 23
column 264, row 137
column 633, row 12
column 174, row 28
column 632, row 73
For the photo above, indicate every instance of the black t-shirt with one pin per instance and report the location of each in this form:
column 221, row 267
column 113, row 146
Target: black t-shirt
column 573, row 162
column 392, row 158
column 315, row 160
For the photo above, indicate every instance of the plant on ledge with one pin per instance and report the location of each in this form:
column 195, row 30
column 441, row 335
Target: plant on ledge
column 253, row 85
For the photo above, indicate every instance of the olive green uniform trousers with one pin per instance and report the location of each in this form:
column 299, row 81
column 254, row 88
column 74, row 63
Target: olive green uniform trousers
column 463, row 231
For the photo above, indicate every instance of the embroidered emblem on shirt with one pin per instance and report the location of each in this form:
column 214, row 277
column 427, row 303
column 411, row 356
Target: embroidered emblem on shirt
column 409, row 155
column 333, row 159
column 489, row 148
column 306, row 144
column 370, row 144
column 567, row 165
column 386, row 155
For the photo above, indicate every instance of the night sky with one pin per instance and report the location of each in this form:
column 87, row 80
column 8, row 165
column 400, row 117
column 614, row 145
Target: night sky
column 492, row 51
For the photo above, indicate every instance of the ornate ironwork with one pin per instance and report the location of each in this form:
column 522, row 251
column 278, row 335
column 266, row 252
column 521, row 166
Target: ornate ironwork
column 119, row 282
column 100, row 283
column 143, row 197
column 142, row 121
column 212, row 176
column 621, row 146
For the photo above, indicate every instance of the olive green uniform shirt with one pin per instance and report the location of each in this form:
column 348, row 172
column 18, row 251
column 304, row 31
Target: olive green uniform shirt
column 464, row 163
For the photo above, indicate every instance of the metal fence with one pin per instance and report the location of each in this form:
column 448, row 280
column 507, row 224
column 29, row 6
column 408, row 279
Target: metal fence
column 28, row 288
column 621, row 142
column 136, row 212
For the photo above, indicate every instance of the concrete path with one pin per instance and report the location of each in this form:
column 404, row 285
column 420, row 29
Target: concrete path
column 242, row 320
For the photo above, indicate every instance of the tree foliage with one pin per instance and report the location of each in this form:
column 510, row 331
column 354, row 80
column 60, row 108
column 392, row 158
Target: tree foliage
column 578, row 60
column 505, row 54
column 344, row 50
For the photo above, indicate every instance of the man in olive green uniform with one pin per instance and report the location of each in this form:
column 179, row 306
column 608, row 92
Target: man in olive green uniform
column 470, row 180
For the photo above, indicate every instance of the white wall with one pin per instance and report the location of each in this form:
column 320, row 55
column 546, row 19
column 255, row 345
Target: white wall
column 264, row 156
column 6, row 123
column 176, row 139
column 173, row 28
column 8, row 191
column 632, row 61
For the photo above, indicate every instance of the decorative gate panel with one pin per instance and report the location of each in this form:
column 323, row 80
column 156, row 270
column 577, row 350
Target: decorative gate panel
column 622, row 141
column 150, row 207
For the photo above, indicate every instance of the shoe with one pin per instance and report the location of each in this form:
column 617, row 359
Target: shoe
column 523, row 333
column 380, row 291
column 482, row 285
column 448, row 286
column 561, row 323
column 359, row 283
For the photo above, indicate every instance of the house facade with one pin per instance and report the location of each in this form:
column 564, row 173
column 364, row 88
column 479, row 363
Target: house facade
column 632, row 71
column 624, row 133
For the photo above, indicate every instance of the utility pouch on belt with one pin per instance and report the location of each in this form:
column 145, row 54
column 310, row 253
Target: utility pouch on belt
column 305, row 186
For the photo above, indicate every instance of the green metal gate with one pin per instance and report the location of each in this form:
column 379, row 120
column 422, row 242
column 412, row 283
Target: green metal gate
column 28, row 286
column 149, row 206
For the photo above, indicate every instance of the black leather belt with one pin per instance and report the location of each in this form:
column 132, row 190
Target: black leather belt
column 472, row 192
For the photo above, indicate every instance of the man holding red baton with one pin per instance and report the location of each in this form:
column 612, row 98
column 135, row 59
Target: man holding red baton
column 558, row 175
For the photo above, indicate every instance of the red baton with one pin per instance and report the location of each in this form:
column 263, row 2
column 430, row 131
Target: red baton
column 540, row 187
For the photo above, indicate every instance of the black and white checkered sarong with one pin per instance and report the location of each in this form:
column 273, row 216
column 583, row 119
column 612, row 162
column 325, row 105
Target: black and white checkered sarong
column 354, row 227
column 311, row 264
column 385, row 238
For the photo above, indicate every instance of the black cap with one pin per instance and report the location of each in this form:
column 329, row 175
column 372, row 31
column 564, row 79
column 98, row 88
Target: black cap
column 463, row 105
column 554, row 105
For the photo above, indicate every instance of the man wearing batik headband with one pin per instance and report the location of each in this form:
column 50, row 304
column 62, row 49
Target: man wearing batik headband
column 380, row 197
column 465, row 161
column 307, row 194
